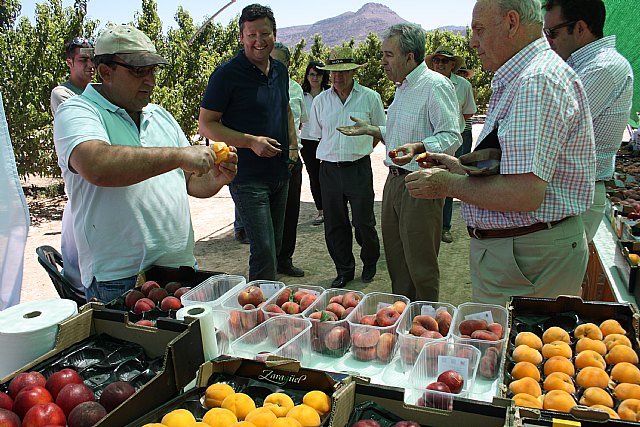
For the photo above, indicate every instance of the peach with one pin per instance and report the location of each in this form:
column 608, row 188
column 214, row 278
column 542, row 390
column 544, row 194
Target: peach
column 307, row 300
column 251, row 295
column 131, row 297
column 157, row 294
column 444, row 319
column 216, row 393
column 557, row 348
column 219, row 417
column 291, row 307
column 596, row 396
column 611, row 326
column 555, row 333
column 365, row 337
column 525, row 399
column 525, row 385
column 238, row 403
column 306, row 415
column 524, row 353
column 621, row 353
column 558, row 400
column 183, row 290
column 484, row 335
column 286, row 422
column 624, row 391
column 336, row 308
column 525, row 369
column 559, row 364
column 337, row 338
column 323, row 316
column 495, row 328
column 346, row 313
column 318, row 400
column 625, row 372
column 431, row 334
column 589, row 344
column 384, row 348
column 588, row 330
column 350, row 299
column 589, row 358
column 337, row 298
column 278, row 403
column 170, row 303
column 387, row 316
column 148, row 286
column 261, row 417
column 629, row 410
column 613, row 340
column 369, row 320
column 399, row 306
column 299, row 294
column 468, row 326
column 592, row 377
column 529, row 339
column 612, row 414
column 178, row 417
column 364, row 353
column 417, row 329
column 559, row 381
column 283, row 296
column 171, row 287
column 142, row 305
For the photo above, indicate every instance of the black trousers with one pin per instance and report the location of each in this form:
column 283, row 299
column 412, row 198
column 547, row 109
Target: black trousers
column 311, row 162
column 291, row 215
column 352, row 185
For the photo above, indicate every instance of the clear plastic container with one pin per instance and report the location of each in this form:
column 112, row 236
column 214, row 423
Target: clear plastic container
column 284, row 336
column 242, row 320
column 435, row 358
column 374, row 342
column 213, row 290
column 410, row 344
column 492, row 351
column 332, row 337
column 294, row 298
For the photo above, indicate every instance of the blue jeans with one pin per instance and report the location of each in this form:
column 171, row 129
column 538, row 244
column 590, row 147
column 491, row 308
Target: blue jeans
column 467, row 139
column 238, row 226
column 109, row 290
column 262, row 206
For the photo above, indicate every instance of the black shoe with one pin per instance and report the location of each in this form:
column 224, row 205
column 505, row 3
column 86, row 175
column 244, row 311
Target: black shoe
column 291, row 270
column 368, row 273
column 241, row 236
column 341, row 280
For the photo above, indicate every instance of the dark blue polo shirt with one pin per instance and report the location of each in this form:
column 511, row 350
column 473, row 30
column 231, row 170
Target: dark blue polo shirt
column 253, row 103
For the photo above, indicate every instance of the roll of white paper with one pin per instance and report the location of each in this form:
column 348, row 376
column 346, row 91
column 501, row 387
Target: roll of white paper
column 27, row 331
column 204, row 313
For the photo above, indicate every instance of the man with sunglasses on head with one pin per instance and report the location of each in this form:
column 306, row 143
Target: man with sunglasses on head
column 129, row 169
column 574, row 29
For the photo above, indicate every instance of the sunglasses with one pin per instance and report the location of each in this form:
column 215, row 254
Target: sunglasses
column 552, row 32
column 80, row 41
column 138, row 72
column 441, row 60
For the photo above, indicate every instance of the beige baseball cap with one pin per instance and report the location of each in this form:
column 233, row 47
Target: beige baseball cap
column 130, row 44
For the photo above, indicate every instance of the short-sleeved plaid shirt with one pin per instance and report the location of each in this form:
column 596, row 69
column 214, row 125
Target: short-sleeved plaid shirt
column 608, row 80
column 544, row 127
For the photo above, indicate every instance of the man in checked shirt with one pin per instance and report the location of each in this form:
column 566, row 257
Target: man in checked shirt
column 574, row 29
column 527, row 237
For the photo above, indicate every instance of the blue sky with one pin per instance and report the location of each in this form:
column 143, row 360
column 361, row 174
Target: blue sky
column 428, row 13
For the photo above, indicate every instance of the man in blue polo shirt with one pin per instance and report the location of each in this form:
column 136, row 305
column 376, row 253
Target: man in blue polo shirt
column 246, row 105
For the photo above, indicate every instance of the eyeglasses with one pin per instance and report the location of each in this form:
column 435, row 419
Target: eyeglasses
column 138, row 72
column 552, row 32
column 80, row 41
column 441, row 60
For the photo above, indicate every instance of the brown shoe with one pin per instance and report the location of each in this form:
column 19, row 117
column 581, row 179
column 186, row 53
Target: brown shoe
column 446, row 236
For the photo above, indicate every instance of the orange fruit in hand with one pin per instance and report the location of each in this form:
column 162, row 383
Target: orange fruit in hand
column 306, row 415
column 220, row 417
column 216, row 393
column 239, row 403
column 221, row 151
column 318, row 400
column 278, row 403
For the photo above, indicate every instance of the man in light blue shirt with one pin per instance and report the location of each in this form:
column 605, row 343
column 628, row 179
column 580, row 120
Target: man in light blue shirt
column 574, row 29
column 128, row 169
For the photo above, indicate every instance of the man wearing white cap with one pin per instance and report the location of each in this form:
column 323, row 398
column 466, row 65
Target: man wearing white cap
column 128, row 169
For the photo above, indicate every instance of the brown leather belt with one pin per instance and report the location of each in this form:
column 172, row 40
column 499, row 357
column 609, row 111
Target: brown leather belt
column 512, row 232
column 398, row 171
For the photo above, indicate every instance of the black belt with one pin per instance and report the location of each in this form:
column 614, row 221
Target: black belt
column 512, row 232
column 348, row 164
column 398, row 171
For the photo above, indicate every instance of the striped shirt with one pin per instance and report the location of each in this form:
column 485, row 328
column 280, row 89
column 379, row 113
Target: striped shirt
column 425, row 108
column 544, row 127
column 608, row 80
column 328, row 112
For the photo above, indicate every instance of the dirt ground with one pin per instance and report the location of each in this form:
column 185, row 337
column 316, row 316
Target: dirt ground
column 217, row 250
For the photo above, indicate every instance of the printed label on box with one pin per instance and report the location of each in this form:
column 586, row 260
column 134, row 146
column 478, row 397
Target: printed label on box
column 382, row 305
column 269, row 289
column 458, row 364
column 483, row 315
column 428, row 310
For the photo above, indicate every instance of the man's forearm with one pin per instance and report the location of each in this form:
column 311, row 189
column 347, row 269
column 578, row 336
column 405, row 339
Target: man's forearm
column 216, row 131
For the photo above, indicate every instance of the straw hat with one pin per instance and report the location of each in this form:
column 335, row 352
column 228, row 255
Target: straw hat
column 465, row 72
column 341, row 59
column 447, row 53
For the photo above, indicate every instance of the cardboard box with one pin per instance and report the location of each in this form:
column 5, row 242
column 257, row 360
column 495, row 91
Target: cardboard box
column 179, row 342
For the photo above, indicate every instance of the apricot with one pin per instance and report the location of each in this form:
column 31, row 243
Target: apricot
column 588, row 330
column 592, row 377
column 611, row 326
column 286, row 422
column 221, row 151
column 178, row 418
column 555, row 333
column 525, row 369
column 243, row 424
column 530, row 339
column 239, row 403
column 306, row 415
column 589, row 358
column 612, row 414
column 525, row 399
column 261, row 417
column 219, row 417
column 613, row 340
column 524, row 353
column 525, row 385
column 318, row 400
column 559, row 381
column 559, row 364
column 621, row 353
column 589, row 344
column 625, row 391
column 216, row 393
column 278, row 403
column 625, row 372
column 596, row 396
column 558, row 400
column 557, row 348
column 629, row 409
